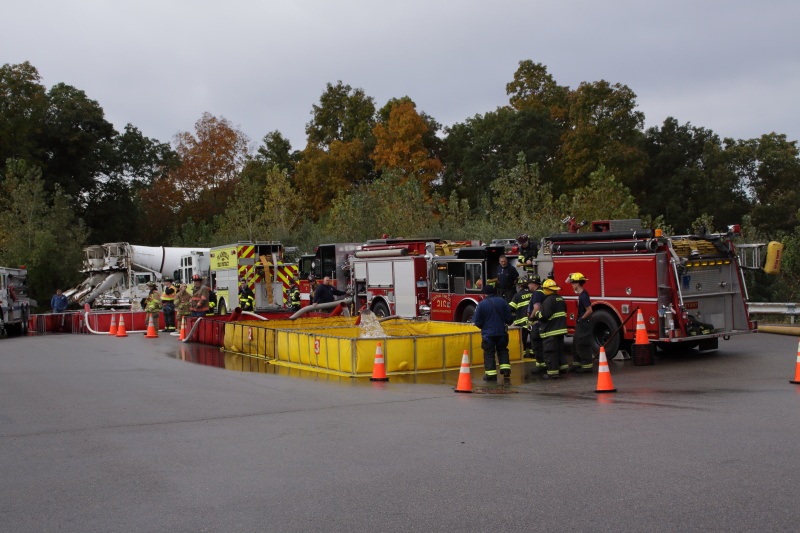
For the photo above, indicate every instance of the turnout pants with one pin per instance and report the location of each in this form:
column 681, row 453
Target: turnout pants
column 495, row 344
column 537, row 346
column 169, row 316
column 582, row 345
column 554, row 354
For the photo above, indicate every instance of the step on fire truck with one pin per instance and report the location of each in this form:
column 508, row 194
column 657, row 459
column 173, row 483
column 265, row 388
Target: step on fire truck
column 690, row 288
column 259, row 263
column 15, row 306
column 414, row 278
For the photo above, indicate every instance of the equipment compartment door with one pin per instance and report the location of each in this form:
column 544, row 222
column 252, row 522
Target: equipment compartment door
column 405, row 293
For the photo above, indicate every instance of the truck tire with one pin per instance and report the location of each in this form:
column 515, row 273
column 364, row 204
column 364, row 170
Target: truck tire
column 380, row 309
column 604, row 324
column 466, row 314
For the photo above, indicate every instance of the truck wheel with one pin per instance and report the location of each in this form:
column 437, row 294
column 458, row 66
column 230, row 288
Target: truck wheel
column 604, row 324
column 466, row 314
column 380, row 309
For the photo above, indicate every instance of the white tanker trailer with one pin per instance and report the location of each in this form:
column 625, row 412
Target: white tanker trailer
column 118, row 273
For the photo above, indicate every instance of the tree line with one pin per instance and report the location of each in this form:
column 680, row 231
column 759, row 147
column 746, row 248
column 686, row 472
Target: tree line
column 71, row 179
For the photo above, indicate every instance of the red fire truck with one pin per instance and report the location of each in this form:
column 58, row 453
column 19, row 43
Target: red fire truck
column 331, row 260
column 417, row 279
column 689, row 288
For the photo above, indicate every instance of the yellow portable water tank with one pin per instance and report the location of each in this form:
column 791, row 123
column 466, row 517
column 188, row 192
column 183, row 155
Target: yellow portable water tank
column 772, row 264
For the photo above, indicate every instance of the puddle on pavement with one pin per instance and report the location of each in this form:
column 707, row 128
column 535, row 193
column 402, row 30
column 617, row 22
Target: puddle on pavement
column 212, row 356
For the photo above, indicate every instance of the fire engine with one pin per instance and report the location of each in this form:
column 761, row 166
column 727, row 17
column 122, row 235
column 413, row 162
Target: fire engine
column 261, row 264
column 690, row 288
column 418, row 279
column 328, row 260
column 15, row 306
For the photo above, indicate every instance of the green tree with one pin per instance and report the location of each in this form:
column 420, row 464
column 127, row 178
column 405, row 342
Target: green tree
column 323, row 174
column 769, row 169
column 77, row 140
column 276, row 150
column 114, row 208
column 604, row 129
column 391, row 204
column 689, row 173
column 603, row 198
column 534, row 88
column 23, row 107
column 522, row 203
column 40, row 230
column 483, row 146
column 343, row 114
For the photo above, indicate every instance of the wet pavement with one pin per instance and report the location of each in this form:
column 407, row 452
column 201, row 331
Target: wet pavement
column 106, row 434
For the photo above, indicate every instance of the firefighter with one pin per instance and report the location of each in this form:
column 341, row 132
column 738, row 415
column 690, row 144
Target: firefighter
column 326, row 292
column 507, row 277
column 199, row 304
column 553, row 319
column 527, row 253
column 534, row 305
column 519, row 309
column 168, row 305
column 582, row 342
column 294, row 296
column 246, row 296
column 152, row 306
column 492, row 316
column 184, row 300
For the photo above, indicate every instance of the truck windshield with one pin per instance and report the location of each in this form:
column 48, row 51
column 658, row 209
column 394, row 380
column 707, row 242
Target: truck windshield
column 474, row 275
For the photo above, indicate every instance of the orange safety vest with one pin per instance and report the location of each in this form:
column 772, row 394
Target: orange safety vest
column 169, row 294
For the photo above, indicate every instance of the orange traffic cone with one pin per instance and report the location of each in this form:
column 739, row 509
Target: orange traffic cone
column 183, row 329
column 604, row 383
column 641, row 331
column 796, row 379
column 121, row 328
column 151, row 329
column 464, row 376
column 379, row 368
column 113, row 329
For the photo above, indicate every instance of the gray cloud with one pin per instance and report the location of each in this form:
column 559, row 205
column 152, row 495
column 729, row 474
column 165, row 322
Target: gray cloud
column 729, row 67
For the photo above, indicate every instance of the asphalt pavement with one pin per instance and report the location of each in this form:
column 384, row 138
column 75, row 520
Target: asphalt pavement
column 121, row 435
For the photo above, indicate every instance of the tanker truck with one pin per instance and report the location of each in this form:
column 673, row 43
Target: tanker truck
column 119, row 275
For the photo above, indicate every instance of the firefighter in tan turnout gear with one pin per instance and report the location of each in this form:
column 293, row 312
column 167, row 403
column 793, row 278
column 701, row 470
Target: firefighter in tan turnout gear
column 199, row 304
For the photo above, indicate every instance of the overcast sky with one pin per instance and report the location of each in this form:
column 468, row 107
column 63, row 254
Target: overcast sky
column 729, row 66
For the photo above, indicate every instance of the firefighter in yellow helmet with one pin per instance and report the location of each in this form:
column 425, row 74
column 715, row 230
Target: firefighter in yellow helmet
column 582, row 342
column 553, row 327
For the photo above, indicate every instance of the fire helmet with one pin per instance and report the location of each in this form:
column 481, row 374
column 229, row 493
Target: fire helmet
column 532, row 278
column 575, row 277
column 550, row 285
column 196, row 278
column 522, row 238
